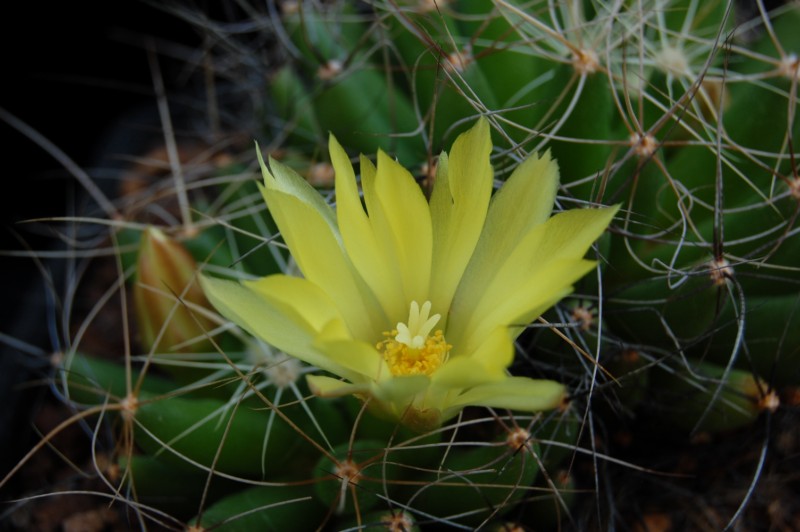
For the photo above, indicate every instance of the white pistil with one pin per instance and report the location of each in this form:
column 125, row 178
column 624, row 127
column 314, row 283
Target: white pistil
column 420, row 325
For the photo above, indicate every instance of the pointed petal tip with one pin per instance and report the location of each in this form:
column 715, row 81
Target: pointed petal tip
column 605, row 214
column 517, row 393
column 333, row 142
column 482, row 125
column 323, row 386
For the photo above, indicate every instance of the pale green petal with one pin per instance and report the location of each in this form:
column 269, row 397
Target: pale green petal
column 377, row 269
column 358, row 357
column 315, row 246
column 283, row 323
column 329, row 387
column 524, row 201
column 458, row 205
column 391, row 398
column 400, row 391
column 286, row 180
column 514, row 393
column 462, row 373
column 296, row 295
column 401, row 222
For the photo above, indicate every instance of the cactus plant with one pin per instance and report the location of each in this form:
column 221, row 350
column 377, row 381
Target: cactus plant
column 682, row 111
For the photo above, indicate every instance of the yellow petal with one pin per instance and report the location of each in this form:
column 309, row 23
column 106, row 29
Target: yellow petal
column 463, row 373
column 495, row 353
column 300, row 298
column 527, row 277
column 571, row 233
column 514, row 393
column 329, row 387
column 358, row 357
column 288, row 181
column 459, row 203
column 316, row 248
column 522, row 203
column 288, row 323
column 401, row 222
column 528, row 301
column 378, row 270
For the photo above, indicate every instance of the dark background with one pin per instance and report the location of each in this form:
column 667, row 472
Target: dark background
column 70, row 70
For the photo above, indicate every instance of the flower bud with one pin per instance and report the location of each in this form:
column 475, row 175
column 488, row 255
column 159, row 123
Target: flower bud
column 167, row 297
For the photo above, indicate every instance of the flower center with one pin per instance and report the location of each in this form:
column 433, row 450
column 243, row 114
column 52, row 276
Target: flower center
column 411, row 349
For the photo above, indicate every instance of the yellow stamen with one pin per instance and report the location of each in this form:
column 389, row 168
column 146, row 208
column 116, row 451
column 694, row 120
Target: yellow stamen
column 410, row 349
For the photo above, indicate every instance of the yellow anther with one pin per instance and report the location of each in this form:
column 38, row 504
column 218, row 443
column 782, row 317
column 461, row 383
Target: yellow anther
column 411, row 349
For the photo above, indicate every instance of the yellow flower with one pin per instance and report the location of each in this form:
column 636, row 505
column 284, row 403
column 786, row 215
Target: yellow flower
column 416, row 304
